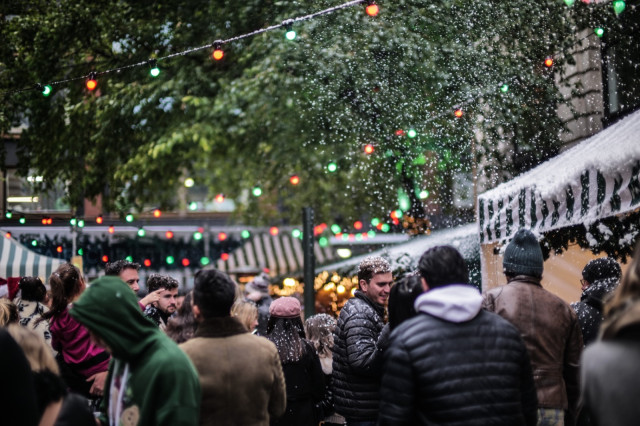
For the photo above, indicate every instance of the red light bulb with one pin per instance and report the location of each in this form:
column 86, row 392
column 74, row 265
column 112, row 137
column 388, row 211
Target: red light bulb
column 294, row 180
column 218, row 54
column 368, row 149
column 548, row 62
column 458, row 113
column 372, row 10
column 91, row 84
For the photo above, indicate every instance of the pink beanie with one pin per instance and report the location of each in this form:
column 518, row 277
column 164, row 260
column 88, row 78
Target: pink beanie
column 285, row 307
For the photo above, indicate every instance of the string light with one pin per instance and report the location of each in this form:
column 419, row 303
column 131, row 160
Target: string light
column 458, row 112
column 284, row 24
column 154, row 71
column 218, row 53
column 372, row 9
column 548, row 62
column 91, row 82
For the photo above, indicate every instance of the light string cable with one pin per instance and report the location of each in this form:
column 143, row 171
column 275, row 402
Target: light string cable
column 283, row 24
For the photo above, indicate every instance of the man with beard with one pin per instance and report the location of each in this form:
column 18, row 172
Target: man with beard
column 160, row 311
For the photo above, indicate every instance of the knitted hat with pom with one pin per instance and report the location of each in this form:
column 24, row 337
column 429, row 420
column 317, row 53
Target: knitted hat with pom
column 523, row 255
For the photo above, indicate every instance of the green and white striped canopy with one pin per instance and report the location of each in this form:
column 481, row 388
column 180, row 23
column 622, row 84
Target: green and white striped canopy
column 282, row 254
column 598, row 178
column 18, row 261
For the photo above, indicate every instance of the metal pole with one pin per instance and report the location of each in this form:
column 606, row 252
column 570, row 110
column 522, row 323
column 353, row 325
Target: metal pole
column 309, row 262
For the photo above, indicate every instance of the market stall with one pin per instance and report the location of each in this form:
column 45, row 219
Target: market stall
column 584, row 203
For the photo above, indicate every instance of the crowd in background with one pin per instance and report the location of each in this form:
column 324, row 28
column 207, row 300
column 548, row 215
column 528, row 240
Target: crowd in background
column 426, row 348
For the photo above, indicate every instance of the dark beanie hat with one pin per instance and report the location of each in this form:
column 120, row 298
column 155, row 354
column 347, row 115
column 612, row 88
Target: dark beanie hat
column 523, row 255
column 600, row 269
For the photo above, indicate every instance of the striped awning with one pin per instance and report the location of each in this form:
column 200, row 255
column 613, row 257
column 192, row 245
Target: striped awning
column 282, row 254
column 18, row 261
column 595, row 179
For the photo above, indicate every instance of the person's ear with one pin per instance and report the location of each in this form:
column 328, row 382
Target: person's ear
column 197, row 315
column 363, row 285
column 425, row 286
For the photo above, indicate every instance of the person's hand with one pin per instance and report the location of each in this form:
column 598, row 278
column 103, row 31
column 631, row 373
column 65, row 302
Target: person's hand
column 152, row 297
column 97, row 387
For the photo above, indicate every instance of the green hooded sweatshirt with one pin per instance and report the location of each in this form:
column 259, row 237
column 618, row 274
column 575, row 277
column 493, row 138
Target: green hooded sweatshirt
column 161, row 386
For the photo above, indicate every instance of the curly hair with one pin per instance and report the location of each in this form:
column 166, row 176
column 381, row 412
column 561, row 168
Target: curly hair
column 319, row 329
column 158, row 281
column 114, row 268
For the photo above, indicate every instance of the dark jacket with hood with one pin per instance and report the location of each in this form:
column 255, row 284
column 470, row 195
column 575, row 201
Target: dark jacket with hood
column 160, row 384
column 456, row 364
column 589, row 308
column 610, row 373
column 357, row 358
column 551, row 332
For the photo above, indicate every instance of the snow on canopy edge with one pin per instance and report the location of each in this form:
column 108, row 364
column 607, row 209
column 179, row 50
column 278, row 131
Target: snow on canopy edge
column 611, row 149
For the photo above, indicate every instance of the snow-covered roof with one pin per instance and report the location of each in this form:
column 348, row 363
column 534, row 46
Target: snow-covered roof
column 594, row 179
column 406, row 255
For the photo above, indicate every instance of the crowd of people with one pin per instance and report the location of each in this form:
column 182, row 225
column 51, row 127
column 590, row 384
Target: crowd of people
column 427, row 348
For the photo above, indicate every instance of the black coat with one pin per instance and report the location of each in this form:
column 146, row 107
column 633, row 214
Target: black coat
column 305, row 390
column 589, row 308
column 357, row 358
column 470, row 373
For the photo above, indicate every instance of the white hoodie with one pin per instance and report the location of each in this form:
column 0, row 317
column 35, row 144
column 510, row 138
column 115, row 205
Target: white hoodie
column 454, row 303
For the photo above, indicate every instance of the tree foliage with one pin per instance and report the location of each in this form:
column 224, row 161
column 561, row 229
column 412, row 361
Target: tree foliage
column 272, row 107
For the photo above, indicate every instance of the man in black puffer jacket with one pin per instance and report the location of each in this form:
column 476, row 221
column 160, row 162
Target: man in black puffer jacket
column 359, row 339
column 455, row 363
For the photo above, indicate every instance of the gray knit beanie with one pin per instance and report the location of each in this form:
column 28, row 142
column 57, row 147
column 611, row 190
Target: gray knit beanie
column 523, row 255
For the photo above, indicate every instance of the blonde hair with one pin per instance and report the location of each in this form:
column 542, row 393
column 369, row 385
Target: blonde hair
column 8, row 312
column 35, row 349
column 246, row 311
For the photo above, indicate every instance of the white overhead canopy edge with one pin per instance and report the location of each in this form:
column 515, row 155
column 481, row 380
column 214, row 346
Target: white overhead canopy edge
column 595, row 179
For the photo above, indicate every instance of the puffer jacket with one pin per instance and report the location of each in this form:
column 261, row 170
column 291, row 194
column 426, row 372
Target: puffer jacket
column 456, row 364
column 589, row 308
column 551, row 332
column 357, row 358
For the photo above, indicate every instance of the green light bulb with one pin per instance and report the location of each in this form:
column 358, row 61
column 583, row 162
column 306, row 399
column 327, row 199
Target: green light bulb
column 335, row 228
column 129, row 218
column 155, row 71
column 296, row 233
column 569, row 3
column 197, row 236
column 245, row 234
column 290, row 35
column 323, row 242
column 141, row 232
column 46, row 90
column 504, row 88
column 170, row 260
column 599, row 31
column 619, row 6
column 332, row 167
column 256, row 191
column 412, row 133
column 204, row 261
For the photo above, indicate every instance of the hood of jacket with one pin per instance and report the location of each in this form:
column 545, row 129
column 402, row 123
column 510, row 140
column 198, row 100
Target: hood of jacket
column 454, row 303
column 595, row 294
column 110, row 309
